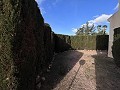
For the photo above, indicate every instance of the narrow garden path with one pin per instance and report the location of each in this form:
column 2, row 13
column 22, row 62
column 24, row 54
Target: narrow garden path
column 82, row 70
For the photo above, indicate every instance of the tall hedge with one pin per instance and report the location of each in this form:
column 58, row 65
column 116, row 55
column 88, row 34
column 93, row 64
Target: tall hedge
column 9, row 21
column 21, row 44
column 77, row 43
column 48, row 44
column 88, row 42
column 116, row 46
column 62, row 42
column 102, row 42
column 81, row 42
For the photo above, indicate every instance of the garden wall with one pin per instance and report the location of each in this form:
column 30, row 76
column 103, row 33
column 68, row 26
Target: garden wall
column 116, row 46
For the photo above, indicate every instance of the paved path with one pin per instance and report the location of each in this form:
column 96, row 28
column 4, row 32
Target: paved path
column 82, row 70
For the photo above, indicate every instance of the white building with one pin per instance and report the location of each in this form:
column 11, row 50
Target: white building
column 114, row 23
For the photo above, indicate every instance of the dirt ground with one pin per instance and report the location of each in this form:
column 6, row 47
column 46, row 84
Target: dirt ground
column 82, row 70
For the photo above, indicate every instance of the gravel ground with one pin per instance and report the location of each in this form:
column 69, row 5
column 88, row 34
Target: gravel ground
column 82, row 70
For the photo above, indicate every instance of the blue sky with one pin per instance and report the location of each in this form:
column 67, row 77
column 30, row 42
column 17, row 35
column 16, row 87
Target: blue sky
column 65, row 16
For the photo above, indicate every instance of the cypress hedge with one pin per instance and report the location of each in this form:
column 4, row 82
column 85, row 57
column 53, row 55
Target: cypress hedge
column 21, row 44
column 9, row 22
column 62, row 42
column 29, row 58
column 81, row 42
column 116, row 46
column 77, row 42
column 102, row 42
column 48, row 44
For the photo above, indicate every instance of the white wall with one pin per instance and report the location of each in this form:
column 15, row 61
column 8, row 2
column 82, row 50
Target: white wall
column 114, row 23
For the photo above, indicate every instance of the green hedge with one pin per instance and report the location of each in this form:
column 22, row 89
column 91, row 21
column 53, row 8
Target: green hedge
column 9, row 15
column 48, row 44
column 26, row 45
column 81, row 42
column 102, row 42
column 116, row 46
column 77, row 43
column 21, row 44
column 29, row 42
column 62, row 42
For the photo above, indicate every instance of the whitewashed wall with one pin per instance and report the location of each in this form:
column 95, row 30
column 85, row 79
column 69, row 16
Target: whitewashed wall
column 114, row 23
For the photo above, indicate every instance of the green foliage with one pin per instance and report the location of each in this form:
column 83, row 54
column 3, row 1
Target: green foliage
column 48, row 44
column 101, row 29
column 102, row 42
column 81, row 42
column 116, row 46
column 86, row 29
column 77, row 42
column 28, row 45
column 89, row 29
column 9, row 15
column 90, row 42
column 62, row 42
column 21, row 44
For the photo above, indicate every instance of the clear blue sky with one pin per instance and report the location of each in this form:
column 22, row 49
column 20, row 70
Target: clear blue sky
column 64, row 16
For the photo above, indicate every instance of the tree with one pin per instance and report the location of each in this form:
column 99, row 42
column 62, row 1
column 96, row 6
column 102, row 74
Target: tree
column 80, row 31
column 104, row 29
column 101, row 29
column 87, row 29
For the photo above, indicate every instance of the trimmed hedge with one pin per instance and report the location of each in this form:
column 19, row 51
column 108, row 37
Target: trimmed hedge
column 9, row 18
column 48, row 44
column 102, row 42
column 62, row 42
column 116, row 46
column 26, row 45
column 81, row 42
column 77, row 43
column 99, row 42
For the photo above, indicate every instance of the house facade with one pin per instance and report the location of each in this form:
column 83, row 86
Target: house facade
column 114, row 23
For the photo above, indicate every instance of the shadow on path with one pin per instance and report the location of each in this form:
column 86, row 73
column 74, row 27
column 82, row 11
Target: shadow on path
column 62, row 64
column 107, row 73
